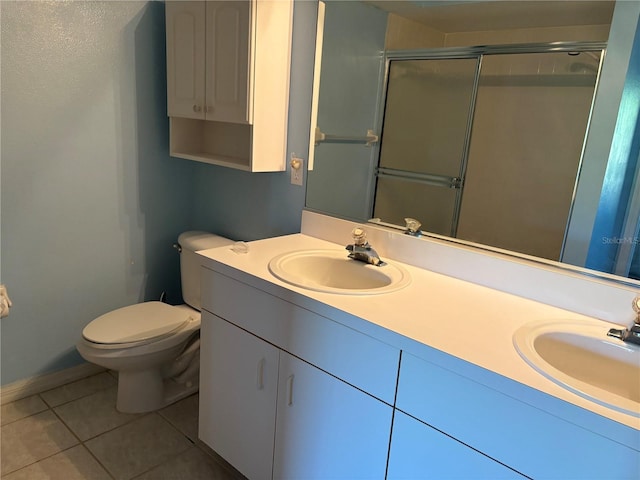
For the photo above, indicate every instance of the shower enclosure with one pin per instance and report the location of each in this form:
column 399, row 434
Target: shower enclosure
column 485, row 144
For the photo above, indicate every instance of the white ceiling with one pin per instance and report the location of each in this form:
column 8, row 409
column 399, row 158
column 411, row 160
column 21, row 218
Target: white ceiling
column 467, row 16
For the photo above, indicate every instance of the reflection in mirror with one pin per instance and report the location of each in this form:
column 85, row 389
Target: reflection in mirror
column 496, row 156
column 486, row 144
column 424, row 140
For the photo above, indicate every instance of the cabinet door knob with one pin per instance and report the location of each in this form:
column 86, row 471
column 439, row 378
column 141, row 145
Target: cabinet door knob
column 197, row 108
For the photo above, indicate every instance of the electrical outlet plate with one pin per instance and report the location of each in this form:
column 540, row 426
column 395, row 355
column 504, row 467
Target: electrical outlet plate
column 297, row 169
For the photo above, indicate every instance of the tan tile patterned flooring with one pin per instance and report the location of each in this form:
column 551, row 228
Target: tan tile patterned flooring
column 74, row 432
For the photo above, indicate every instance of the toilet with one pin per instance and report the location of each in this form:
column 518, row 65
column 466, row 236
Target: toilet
column 154, row 346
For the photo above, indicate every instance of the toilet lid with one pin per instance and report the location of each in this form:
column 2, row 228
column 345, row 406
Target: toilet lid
column 136, row 323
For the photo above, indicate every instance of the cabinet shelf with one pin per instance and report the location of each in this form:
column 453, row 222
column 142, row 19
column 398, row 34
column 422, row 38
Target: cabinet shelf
column 217, row 143
column 230, row 162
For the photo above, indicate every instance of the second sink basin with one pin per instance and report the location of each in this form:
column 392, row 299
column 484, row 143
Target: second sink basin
column 581, row 358
column 331, row 271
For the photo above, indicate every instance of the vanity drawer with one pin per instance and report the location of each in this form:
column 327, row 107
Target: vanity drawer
column 358, row 359
column 516, row 434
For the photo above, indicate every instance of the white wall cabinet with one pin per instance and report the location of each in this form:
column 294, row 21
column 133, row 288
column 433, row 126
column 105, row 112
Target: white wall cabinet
column 228, row 65
column 185, row 24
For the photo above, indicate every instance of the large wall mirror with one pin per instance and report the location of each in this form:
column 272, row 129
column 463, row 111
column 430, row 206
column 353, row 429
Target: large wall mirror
column 506, row 124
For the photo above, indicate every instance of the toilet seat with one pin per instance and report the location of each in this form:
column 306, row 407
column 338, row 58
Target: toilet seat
column 137, row 324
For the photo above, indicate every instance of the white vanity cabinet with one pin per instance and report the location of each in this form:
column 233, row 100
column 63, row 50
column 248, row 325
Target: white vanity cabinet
column 228, row 65
column 327, row 428
column 419, row 451
column 238, row 396
column 362, row 388
column 494, row 426
column 328, row 414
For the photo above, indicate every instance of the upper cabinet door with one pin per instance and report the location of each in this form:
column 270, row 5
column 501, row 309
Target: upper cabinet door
column 186, row 59
column 228, row 58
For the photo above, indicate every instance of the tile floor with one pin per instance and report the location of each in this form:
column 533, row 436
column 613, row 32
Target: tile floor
column 74, row 432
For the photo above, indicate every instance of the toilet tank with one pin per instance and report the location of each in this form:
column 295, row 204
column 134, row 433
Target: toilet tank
column 190, row 263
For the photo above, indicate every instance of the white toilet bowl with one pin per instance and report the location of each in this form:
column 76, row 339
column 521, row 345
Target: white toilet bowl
column 153, row 346
column 130, row 342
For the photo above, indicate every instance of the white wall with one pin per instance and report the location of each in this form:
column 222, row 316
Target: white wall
column 91, row 201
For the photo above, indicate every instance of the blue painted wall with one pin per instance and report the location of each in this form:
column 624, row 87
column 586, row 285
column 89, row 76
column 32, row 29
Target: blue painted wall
column 248, row 206
column 581, row 236
column 607, row 237
column 91, row 202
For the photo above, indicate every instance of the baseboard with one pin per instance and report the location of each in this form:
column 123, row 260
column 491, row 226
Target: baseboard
column 40, row 383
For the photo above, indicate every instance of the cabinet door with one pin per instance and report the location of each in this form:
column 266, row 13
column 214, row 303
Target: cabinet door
column 327, row 428
column 227, row 65
column 185, row 59
column 238, row 389
column 421, row 452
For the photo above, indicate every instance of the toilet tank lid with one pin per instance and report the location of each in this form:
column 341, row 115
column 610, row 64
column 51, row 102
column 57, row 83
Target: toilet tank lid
column 135, row 323
column 195, row 240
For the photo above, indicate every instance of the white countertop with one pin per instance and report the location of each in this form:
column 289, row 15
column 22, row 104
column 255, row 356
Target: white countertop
column 437, row 317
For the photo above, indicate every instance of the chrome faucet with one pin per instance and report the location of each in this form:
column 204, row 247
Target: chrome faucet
column 361, row 250
column 630, row 335
column 412, row 227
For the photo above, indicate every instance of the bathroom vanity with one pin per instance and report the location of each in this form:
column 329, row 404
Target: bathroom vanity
column 422, row 382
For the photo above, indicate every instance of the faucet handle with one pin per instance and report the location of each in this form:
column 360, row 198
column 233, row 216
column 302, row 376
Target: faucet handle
column 412, row 226
column 359, row 236
column 635, row 304
column 632, row 334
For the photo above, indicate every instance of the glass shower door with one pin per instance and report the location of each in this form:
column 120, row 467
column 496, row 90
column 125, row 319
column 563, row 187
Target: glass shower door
column 424, row 141
column 529, row 125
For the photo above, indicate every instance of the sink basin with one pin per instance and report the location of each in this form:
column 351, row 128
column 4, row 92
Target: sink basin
column 331, row 271
column 581, row 358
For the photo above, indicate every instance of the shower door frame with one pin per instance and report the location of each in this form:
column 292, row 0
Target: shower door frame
column 477, row 52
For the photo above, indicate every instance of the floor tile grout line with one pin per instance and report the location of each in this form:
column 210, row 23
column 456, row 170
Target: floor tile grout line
column 104, row 467
column 168, row 459
column 52, row 409
column 197, row 443
column 48, row 456
column 82, row 442
column 77, row 398
column 26, row 416
column 101, row 433
column 193, row 442
column 4, row 475
column 165, row 461
column 175, row 427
